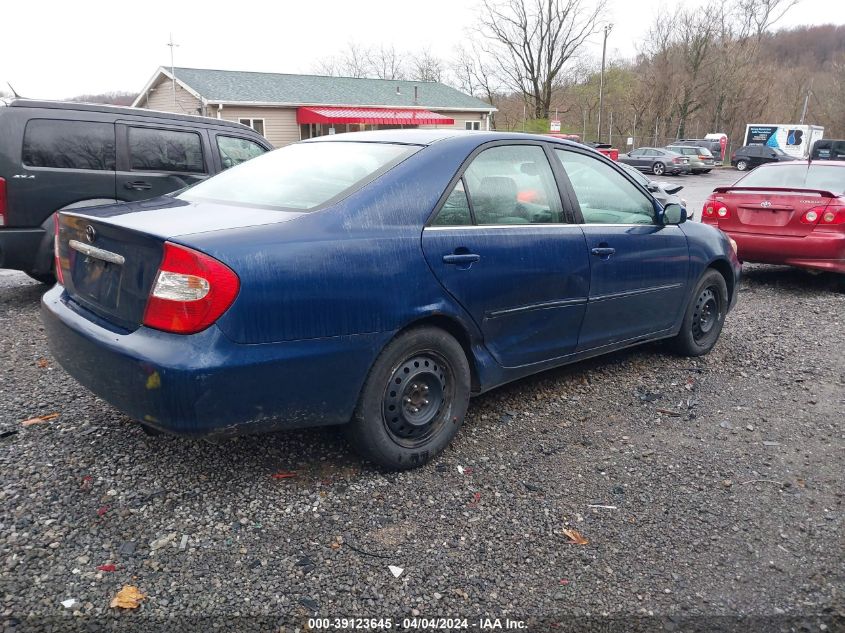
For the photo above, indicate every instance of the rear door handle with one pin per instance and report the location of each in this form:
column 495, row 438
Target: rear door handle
column 603, row 251
column 461, row 258
column 138, row 185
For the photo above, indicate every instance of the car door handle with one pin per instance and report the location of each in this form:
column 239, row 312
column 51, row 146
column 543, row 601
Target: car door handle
column 603, row 251
column 461, row 258
column 138, row 185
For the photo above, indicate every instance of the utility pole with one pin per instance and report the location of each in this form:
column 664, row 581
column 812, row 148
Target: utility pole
column 610, row 129
column 173, row 45
column 607, row 29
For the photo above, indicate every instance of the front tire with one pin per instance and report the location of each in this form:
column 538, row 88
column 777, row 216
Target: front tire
column 741, row 165
column 704, row 316
column 658, row 169
column 414, row 400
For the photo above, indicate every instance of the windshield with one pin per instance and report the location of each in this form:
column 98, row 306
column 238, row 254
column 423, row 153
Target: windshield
column 302, row 176
column 801, row 176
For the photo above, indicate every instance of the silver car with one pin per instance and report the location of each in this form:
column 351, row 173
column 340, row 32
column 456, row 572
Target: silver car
column 664, row 192
column 656, row 160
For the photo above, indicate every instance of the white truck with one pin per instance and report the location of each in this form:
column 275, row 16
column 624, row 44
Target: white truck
column 794, row 139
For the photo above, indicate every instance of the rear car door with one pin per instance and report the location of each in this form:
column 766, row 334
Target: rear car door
column 502, row 245
column 638, row 268
column 155, row 160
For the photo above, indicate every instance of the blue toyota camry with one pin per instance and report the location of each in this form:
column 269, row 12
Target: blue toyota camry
column 376, row 280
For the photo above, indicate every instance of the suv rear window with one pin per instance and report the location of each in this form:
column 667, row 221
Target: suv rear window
column 69, row 144
column 302, row 176
column 165, row 150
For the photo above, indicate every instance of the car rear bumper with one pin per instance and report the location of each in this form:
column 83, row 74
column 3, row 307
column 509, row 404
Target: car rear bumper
column 205, row 384
column 19, row 247
column 818, row 250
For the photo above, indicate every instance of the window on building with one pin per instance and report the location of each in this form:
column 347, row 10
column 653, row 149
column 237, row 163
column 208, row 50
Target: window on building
column 473, row 125
column 255, row 124
column 69, row 145
column 151, row 149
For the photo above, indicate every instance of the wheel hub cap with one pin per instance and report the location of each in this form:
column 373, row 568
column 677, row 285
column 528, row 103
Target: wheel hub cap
column 414, row 397
column 706, row 313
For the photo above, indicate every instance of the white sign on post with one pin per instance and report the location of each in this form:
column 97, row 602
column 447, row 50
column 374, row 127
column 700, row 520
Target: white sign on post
column 630, row 140
column 555, row 125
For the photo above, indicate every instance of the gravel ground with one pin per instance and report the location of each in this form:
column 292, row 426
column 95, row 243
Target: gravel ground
column 722, row 477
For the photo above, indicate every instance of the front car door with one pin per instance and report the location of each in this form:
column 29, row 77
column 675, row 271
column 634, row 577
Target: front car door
column 502, row 245
column 155, row 160
column 638, row 268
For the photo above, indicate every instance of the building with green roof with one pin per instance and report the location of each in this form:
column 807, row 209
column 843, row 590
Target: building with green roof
column 286, row 108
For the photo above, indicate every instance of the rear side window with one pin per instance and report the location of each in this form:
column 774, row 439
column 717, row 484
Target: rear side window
column 234, row 151
column 69, row 145
column 455, row 211
column 165, row 150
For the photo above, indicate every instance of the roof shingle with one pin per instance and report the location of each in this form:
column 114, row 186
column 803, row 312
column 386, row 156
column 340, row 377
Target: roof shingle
column 231, row 86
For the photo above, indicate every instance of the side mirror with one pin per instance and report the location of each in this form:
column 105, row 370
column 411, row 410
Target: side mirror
column 653, row 187
column 674, row 214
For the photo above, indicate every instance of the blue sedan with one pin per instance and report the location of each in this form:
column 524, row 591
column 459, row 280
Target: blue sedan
column 375, row 280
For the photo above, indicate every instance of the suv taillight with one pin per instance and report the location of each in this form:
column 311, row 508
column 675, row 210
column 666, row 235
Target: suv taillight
column 2, row 202
column 191, row 291
column 57, row 262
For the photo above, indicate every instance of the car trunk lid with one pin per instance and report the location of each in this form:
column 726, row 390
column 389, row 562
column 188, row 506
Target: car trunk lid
column 768, row 210
column 110, row 256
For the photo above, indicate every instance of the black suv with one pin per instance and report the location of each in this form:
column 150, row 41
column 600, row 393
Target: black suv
column 751, row 156
column 828, row 149
column 56, row 155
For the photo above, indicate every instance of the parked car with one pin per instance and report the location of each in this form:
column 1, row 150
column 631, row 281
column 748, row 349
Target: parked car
column 604, row 148
column 664, row 192
column 375, row 280
column 785, row 213
column 712, row 145
column 828, row 149
column 56, row 155
column 656, row 161
column 751, row 156
column 700, row 159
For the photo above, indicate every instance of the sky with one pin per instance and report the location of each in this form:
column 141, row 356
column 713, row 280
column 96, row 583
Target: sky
column 55, row 50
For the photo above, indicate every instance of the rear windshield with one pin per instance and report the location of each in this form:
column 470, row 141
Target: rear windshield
column 827, row 177
column 302, row 176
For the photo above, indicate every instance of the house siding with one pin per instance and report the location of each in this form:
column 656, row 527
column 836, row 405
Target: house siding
column 161, row 98
column 280, row 126
column 460, row 119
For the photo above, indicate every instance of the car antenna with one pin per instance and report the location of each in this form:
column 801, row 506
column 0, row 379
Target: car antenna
column 14, row 94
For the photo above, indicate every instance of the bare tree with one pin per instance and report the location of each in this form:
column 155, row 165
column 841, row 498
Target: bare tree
column 533, row 40
column 426, row 67
column 386, row 63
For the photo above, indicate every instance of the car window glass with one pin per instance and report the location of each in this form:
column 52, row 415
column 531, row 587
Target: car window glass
column 151, row 149
column 825, row 177
column 234, row 151
column 513, row 184
column 455, row 211
column 604, row 195
column 69, row 145
column 302, row 176
column 636, row 152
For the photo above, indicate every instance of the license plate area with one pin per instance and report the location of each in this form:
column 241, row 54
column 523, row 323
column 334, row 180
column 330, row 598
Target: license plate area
column 97, row 281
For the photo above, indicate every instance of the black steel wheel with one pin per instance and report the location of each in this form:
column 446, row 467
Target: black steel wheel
column 704, row 316
column 413, row 401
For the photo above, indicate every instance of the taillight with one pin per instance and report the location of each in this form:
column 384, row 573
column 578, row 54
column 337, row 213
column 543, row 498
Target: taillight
column 2, row 202
column 57, row 260
column 702, row 157
column 833, row 215
column 722, row 212
column 811, row 216
column 191, row 291
column 677, row 160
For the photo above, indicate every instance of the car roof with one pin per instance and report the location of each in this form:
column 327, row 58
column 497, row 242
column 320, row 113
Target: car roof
column 794, row 163
column 120, row 111
column 431, row 136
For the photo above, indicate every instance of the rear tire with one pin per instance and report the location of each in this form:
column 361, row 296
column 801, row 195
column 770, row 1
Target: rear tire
column 44, row 278
column 658, row 169
column 704, row 316
column 741, row 165
column 414, row 400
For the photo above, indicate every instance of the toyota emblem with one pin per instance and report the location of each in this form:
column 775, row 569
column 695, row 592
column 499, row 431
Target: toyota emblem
column 90, row 234
column 765, row 204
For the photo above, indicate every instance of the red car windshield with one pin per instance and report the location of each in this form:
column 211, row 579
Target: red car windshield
column 801, row 176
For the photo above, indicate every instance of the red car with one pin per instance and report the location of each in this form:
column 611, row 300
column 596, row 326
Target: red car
column 785, row 213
